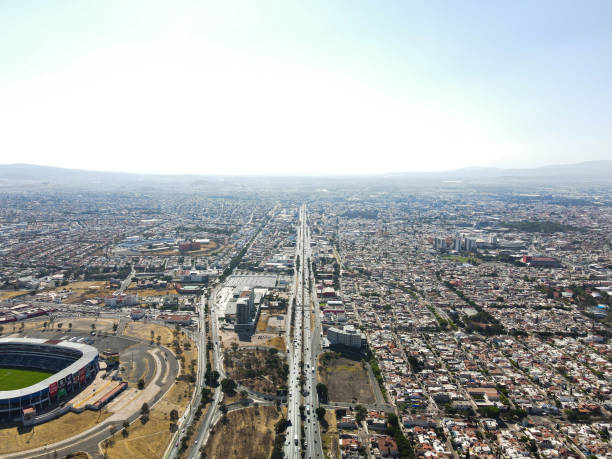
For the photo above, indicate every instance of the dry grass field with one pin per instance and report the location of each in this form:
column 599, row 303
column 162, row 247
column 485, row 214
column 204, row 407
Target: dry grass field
column 70, row 424
column 142, row 292
column 346, row 380
column 81, row 325
column 151, row 439
column 105, row 325
column 277, row 342
column 262, row 371
column 143, row 331
column 329, row 437
column 248, row 433
column 262, row 323
column 8, row 294
column 260, row 339
column 154, row 292
column 83, row 290
column 144, row 440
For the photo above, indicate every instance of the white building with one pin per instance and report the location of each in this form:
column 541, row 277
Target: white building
column 347, row 336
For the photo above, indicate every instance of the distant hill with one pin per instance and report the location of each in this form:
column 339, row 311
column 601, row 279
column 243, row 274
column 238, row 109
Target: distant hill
column 585, row 169
column 16, row 175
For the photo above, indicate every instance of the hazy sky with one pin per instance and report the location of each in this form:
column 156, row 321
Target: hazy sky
column 304, row 87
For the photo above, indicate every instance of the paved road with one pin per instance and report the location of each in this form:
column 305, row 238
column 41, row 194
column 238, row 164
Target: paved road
column 303, row 355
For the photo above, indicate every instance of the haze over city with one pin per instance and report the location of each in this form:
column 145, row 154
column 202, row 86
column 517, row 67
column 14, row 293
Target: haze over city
column 256, row 88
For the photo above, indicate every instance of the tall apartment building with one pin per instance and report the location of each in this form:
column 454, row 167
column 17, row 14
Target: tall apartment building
column 347, row 336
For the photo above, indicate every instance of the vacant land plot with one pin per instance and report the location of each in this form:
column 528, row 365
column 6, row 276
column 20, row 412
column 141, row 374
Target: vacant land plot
column 13, row 378
column 8, row 294
column 271, row 323
column 347, row 380
column 67, row 325
column 262, row 323
column 262, row 371
column 83, row 290
column 247, row 433
column 260, row 339
column 144, row 440
column 105, row 325
column 277, row 342
column 143, row 292
column 329, row 437
column 19, row 439
column 143, row 331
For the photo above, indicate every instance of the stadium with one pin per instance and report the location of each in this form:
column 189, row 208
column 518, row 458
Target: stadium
column 39, row 373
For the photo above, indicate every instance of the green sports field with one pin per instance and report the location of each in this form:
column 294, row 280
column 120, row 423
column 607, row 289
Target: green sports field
column 13, row 378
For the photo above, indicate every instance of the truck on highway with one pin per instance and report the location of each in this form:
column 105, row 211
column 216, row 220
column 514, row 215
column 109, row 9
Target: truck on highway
column 295, row 439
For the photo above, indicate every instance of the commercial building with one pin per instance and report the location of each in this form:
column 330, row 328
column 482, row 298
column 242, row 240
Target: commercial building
column 121, row 300
column 541, row 262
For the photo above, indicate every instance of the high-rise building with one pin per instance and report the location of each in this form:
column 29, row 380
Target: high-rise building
column 439, row 243
column 457, row 244
column 243, row 311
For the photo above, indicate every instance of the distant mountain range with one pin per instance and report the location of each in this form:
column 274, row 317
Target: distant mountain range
column 584, row 169
column 12, row 175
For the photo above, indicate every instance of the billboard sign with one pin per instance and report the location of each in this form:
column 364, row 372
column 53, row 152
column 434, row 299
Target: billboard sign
column 52, row 389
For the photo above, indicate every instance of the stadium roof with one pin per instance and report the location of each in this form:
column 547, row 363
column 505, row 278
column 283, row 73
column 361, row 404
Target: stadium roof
column 88, row 354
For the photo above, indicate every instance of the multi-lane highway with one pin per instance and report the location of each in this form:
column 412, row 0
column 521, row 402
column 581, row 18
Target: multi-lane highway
column 303, row 357
column 303, row 346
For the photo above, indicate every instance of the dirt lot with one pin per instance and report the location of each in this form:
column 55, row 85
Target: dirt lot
column 247, row 433
column 81, row 325
column 329, row 437
column 277, row 342
column 266, row 340
column 105, row 325
column 262, row 323
column 262, row 371
column 143, row 331
column 142, row 292
column 270, row 323
column 84, row 290
column 50, row 432
column 346, row 380
column 8, row 294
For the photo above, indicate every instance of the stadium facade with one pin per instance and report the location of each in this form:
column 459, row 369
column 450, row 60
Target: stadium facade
column 74, row 365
